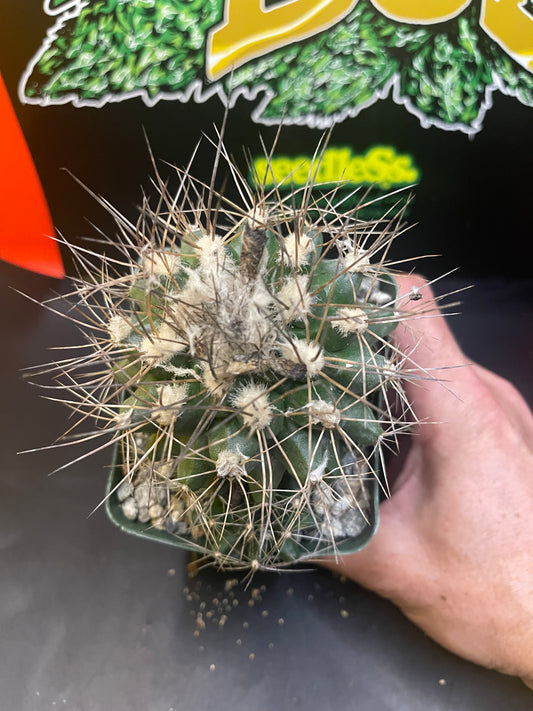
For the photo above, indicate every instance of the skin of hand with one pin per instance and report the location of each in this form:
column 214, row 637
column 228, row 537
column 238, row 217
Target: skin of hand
column 454, row 548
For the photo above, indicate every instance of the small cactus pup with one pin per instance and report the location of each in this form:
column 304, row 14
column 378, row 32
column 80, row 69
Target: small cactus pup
column 239, row 361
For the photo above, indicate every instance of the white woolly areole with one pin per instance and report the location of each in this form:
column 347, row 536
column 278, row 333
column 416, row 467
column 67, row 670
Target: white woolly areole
column 295, row 299
column 350, row 320
column 308, row 354
column 124, row 415
column 317, row 474
column 160, row 263
column 230, row 465
column 355, row 259
column 186, row 307
column 324, row 413
column 215, row 382
column 119, row 328
column 252, row 402
column 171, row 398
column 258, row 217
column 298, row 249
column 211, row 252
column 161, row 346
column 392, row 370
column 260, row 298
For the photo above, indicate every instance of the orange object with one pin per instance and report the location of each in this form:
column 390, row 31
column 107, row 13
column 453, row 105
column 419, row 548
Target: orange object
column 25, row 223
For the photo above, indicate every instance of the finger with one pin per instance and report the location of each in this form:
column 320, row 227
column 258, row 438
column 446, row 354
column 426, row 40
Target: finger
column 435, row 368
column 511, row 401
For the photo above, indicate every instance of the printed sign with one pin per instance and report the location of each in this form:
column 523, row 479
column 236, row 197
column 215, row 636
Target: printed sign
column 305, row 62
column 380, row 166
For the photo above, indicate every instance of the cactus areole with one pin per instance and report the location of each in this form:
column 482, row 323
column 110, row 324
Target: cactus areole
column 248, row 363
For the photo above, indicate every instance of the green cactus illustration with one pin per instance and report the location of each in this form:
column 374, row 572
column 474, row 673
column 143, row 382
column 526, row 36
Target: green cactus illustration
column 110, row 48
column 106, row 50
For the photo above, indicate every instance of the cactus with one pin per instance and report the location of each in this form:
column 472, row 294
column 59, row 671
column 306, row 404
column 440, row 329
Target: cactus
column 241, row 367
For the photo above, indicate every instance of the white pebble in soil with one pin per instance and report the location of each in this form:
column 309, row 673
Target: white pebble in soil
column 125, row 490
column 129, row 508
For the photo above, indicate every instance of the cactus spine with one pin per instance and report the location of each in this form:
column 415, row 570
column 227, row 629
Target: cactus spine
column 242, row 358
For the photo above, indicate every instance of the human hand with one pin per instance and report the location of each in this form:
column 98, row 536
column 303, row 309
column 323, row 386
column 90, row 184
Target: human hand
column 455, row 542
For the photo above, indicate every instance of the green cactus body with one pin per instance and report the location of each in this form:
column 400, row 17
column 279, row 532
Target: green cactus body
column 250, row 369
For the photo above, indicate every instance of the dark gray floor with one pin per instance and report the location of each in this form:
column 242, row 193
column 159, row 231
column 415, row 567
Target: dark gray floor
column 93, row 619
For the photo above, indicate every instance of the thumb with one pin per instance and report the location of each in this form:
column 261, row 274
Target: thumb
column 430, row 354
column 382, row 565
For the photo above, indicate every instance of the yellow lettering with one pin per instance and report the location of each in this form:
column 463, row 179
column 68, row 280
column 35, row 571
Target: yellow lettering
column 356, row 170
column 262, row 172
column 249, row 31
column 421, row 12
column 511, row 27
column 333, row 165
column 377, row 163
column 281, row 169
column 300, row 170
column 380, row 166
column 404, row 171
